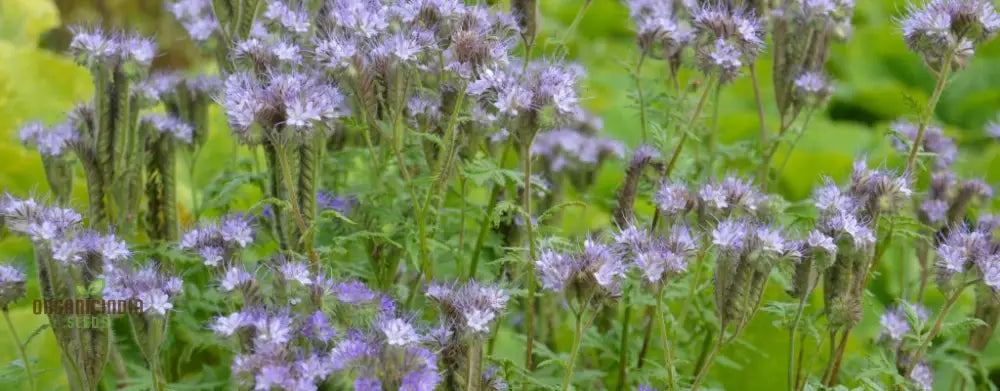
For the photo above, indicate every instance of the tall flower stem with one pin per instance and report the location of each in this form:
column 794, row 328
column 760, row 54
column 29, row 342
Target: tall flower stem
column 20, row 349
column 577, row 19
column 760, row 105
column 575, row 350
column 623, row 343
column 794, row 329
column 700, row 376
column 925, row 117
column 484, row 227
column 938, row 323
column 641, row 96
column 680, row 144
column 530, row 233
column 668, row 360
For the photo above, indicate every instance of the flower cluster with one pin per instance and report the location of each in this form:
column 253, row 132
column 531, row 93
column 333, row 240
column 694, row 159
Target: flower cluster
column 569, row 149
column 54, row 141
column 966, row 247
column 94, row 46
column 948, row 198
column 169, row 125
column 592, row 274
column 659, row 31
column 896, row 320
column 152, row 287
column 217, row 241
column 726, row 39
column 469, row 308
column 388, row 357
column 39, row 222
column 949, row 30
column 196, row 16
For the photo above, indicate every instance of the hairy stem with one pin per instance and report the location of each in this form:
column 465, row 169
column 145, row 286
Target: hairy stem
column 668, row 361
column 700, row 376
column 486, row 224
column 925, row 117
column 530, row 234
column 20, row 348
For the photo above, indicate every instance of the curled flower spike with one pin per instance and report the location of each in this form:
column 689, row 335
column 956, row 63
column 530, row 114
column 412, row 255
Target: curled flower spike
column 94, row 46
column 12, row 283
column 961, row 249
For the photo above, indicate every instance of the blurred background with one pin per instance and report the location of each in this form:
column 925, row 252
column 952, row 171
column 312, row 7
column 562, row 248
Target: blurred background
column 878, row 81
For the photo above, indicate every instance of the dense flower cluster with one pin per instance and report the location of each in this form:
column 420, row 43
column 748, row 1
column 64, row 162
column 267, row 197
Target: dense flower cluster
column 215, row 242
column 949, row 30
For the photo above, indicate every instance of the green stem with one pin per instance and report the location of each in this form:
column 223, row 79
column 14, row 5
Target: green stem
column 700, row 376
column 575, row 350
column 668, row 360
column 934, row 331
column 530, row 231
column 793, row 330
column 641, row 95
column 925, row 117
column 20, row 349
column 484, row 228
column 576, row 20
column 623, row 346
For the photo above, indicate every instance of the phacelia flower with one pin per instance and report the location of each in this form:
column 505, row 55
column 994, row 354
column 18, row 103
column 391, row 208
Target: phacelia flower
column 12, row 283
column 470, row 307
column 52, row 141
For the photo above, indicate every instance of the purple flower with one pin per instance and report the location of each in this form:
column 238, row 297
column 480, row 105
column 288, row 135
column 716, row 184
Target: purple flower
column 12, row 285
column 171, row 125
column 398, row 332
column 896, row 322
column 813, row 86
column 235, row 228
column 227, row 325
column 317, row 326
column 730, row 236
column 138, row 49
column 993, row 129
column 820, row 242
column 354, row 292
column 286, row 52
column 335, row 51
column 367, row 384
column 235, row 277
column 728, row 38
column 340, row 204
column 39, row 222
column 196, row 16
column 92, row 44
column 554, row 269
column 673, row 199
column 935, row 210
column 296, row 271
column 990, row 271
column 53, row 141
column 923, row 376
column 153, row 288
column 472, row 307
column 942, row 25
column 273, row 376
column 366, row 18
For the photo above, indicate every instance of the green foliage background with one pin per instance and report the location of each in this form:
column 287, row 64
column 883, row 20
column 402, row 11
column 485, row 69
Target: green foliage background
column 878, row 81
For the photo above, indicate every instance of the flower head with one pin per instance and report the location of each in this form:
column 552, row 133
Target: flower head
column 12, row 283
